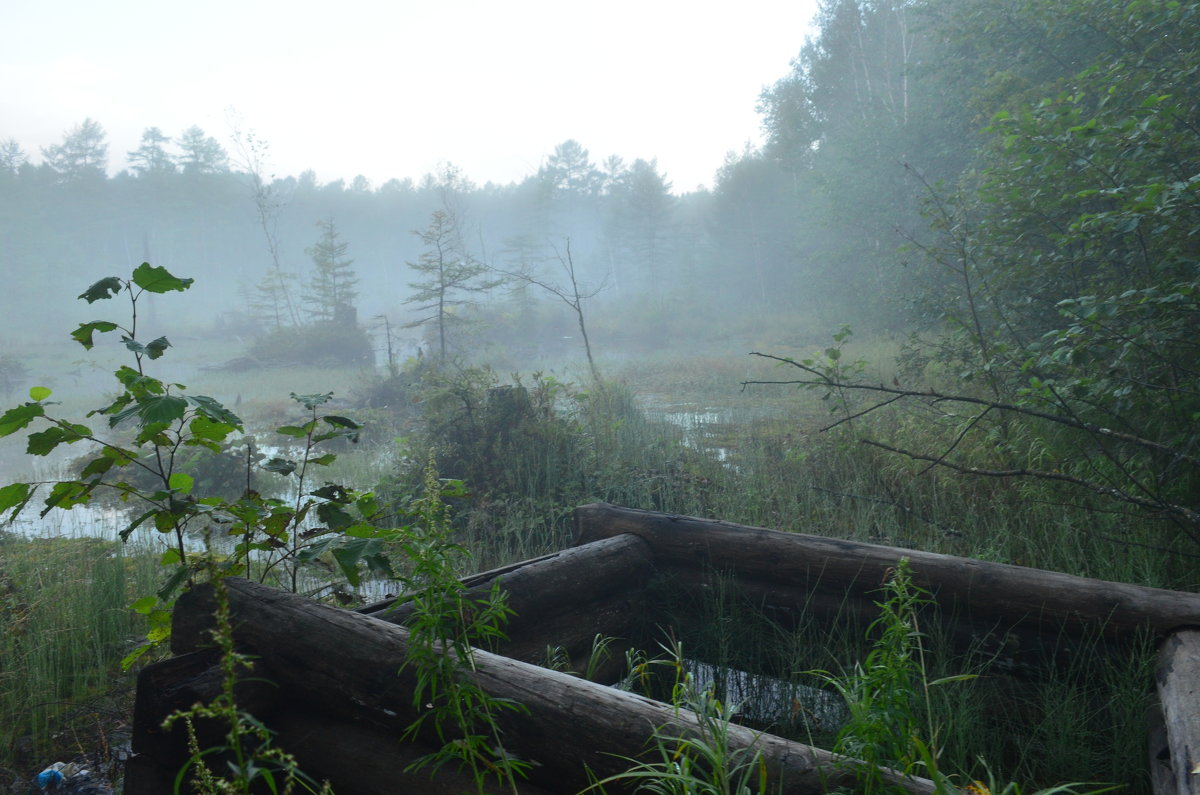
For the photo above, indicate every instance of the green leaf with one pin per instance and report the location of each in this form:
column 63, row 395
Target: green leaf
column 170, row 557
column 161, row 408
column 17, row 418
column 182, row 482
column 67, row 494
column 105, row 288
column 204, row 429
column 156, row 348
column 83, row 334
column 43, row 442
column 155, row 279
column 213, row 410
column 136, row 523
column 15, row 496
column 39, row 393
column 323, row 460
column 295, row 431
column 341, row 422
column 310, row 402
column 165, row 521
column 334, row 515
column 97, row 466
column 144, row 605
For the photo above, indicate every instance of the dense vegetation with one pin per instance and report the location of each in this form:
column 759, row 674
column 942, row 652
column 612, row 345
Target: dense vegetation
column 971, row 232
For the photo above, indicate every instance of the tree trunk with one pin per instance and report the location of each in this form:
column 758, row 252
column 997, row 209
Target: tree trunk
column 976, row 590
column 350, row 665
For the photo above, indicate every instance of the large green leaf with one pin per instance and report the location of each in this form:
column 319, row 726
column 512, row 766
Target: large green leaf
column 105, row 288
column 42, row 442
column 17, row 418
column 83, row 334
column 161, row 408
column 153, row 349
column 213, row 410
column 67, row 494
column 155, row 279
column 15, row 496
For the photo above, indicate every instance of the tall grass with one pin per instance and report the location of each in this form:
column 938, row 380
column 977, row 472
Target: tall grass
column 65, row 624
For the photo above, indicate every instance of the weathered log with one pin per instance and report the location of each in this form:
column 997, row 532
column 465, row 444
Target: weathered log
column 975, row 588
column 345, row 663
column 174, row 685
column 1158, row 745
column 1013, row 647
column 1178, row 679
column 564, row 599
column 366, row 761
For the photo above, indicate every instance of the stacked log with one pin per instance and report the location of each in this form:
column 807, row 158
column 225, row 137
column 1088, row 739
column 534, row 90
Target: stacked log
column 346, row 670
column 333, row 685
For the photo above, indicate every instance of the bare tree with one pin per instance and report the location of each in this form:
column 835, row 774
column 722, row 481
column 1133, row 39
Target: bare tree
column 570, row 294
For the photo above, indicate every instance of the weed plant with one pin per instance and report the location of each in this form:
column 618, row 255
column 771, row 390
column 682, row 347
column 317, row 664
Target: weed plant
column 247, row 761
column 1082, row 720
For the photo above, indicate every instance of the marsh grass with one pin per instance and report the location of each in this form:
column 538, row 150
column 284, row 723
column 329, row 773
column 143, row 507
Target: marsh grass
column 66, row 625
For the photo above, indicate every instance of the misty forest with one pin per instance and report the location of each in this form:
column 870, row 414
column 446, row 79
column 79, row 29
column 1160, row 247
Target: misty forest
column 950, row 304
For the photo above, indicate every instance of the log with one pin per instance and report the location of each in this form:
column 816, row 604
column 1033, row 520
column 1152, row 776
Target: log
column 1014, row 648
column 1178, row 679
column 563, row 599
column 173, row 685
column 364, row 761
column 345, row 663
column 978, row 589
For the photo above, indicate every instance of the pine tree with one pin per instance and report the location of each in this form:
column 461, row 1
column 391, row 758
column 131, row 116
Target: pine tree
column 451, row 275
column 331, row 291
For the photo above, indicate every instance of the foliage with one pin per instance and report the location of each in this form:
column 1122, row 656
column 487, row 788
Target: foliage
column 170, row 428
column 64, row 627
column 699, row 760
column 1070, row 270
column 445, row 627
column 887, row 692
column 82, row 155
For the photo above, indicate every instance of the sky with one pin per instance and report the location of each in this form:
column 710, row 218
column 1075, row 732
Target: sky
column 397, row 89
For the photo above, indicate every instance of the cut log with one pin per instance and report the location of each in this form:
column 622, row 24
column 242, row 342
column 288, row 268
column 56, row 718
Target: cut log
column 564, row 599
column 978, row 589
column 346, row 664
column 1179, row 693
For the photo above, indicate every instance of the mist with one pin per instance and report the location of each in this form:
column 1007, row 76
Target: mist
column 943, row 298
